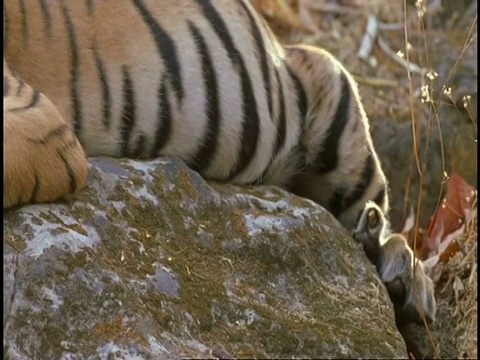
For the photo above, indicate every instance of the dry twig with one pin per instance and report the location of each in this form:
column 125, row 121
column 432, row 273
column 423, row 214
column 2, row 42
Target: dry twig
column 333, row 8
column 414, row 68
column 368, row 38
column 375, row 81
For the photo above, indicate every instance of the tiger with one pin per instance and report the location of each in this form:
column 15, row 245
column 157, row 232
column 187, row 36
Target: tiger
column 205, row 81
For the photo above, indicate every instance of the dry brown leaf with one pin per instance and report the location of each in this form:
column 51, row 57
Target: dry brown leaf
column 447, row 224
column 445, row 229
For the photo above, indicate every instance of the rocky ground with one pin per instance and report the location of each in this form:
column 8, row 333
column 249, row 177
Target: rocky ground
column 152, row 262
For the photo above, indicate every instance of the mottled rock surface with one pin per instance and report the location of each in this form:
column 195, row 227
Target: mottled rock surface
column 152, row 262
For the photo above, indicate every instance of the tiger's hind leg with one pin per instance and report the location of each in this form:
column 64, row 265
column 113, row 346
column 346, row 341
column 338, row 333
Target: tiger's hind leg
column 410, row 289
column 43, row 160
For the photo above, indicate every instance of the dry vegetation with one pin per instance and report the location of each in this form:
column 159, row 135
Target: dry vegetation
column 409, row 58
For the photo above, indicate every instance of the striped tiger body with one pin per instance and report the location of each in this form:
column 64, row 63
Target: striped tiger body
column 205, row 81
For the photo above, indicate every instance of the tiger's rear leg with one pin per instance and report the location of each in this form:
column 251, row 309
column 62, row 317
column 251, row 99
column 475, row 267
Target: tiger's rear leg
column 43, row 160
column 410, row 289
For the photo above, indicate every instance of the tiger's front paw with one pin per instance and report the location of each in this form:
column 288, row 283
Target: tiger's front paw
column 43, row 160
column 410, row 289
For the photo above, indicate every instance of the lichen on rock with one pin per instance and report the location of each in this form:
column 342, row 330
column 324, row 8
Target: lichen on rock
column 152, row 261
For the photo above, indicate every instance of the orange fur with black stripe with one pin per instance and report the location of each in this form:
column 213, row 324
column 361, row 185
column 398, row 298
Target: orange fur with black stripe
column 203, row 80
column 43, row 159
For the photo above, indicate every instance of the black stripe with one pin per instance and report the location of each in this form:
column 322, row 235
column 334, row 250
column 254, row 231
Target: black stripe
column 47, row 19
column 301, row 95
column 281, row 129
column 128, row 113
column 166, row 48
column 106, row 96
column 362, row 184
column 327, row 157
column 379, row 199
column 33, row 102
column 36, row 188
column 335, row 204
column 23, row 14
column 208, row 148
column 59, row 131
column 6, row 86
column 74, row 73
column 338, row 202
column 139, row 152
column 14, row 75
column 90, row 6
column 257, row 35
column 13, row 72
column 164, row 120
column 282, row 121
column 251, row 122
column 20, row 87
column 70, row 172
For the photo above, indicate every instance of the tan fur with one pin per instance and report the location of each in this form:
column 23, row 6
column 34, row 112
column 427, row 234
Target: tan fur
column 27, row 159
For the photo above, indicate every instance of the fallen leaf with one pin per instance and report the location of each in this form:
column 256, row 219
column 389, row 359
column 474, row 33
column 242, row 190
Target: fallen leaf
column 446, row 226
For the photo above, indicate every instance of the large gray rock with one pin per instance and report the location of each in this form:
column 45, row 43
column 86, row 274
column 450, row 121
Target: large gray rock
column 152, row 262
